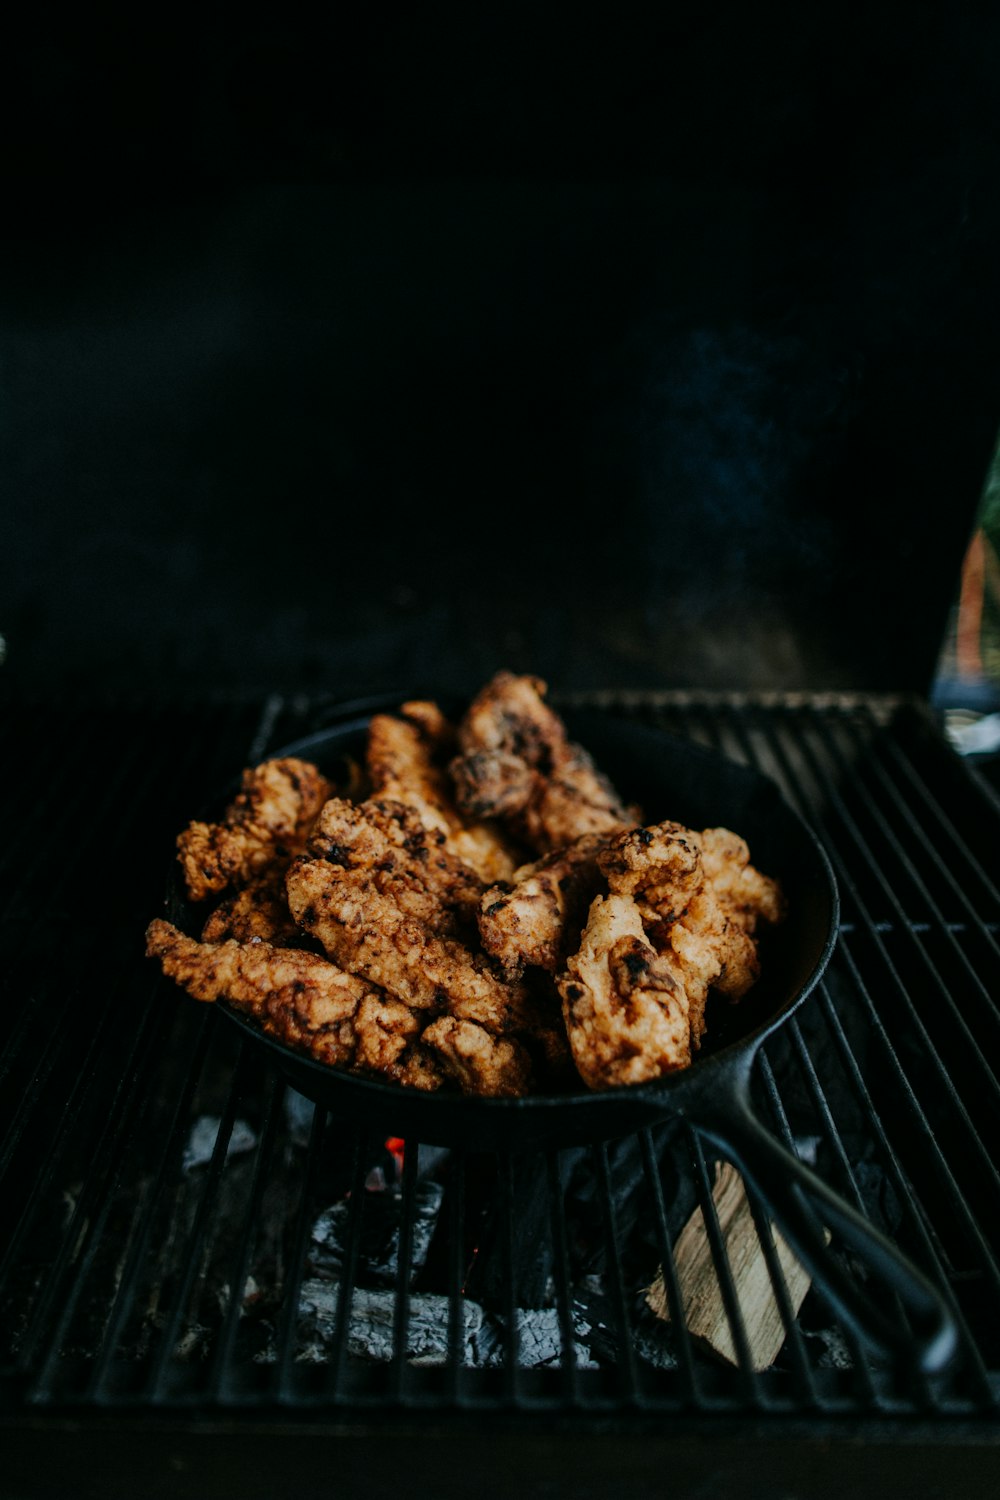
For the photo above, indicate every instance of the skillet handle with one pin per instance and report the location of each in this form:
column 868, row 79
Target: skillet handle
column 803, row 1205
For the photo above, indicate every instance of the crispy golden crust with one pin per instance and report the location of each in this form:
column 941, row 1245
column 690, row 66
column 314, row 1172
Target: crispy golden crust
column 406, row 763
column 659, row 867
column 270, row 817
column 302, row 1000
column 748, row 896
column 495, row 1067
column 387, row 842
column 259, row 910
column 699, row 901
column 366, row 931
column 626, row 1014
column 517, row 764
column 536, row 920
column 706, row 950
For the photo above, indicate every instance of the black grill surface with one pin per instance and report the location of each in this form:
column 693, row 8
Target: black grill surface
column 191, row 1252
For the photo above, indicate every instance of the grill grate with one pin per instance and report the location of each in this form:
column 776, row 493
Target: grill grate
column 183, row 1233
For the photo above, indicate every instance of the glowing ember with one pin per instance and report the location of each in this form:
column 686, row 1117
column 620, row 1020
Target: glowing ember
column 395, row 1148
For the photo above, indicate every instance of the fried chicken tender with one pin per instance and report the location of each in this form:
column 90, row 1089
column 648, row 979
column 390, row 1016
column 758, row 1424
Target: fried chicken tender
column 706, row 950
column 518, row 764
column 406, row 862
column 495, row 1067
column 368, row 933
column 270, row 817
column 625, row 1011
column 747, row 895
column 406, row 763
column 659, row 867
column 700, row 900
column 536, row 920
column 302, row 1000
column 259, row 910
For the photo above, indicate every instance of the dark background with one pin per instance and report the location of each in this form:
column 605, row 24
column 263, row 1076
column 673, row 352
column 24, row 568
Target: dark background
column 392, row 349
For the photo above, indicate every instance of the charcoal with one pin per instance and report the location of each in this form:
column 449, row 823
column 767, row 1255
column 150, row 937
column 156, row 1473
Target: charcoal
column 371, row 1326
column 202, row 1138
column 378, row 1251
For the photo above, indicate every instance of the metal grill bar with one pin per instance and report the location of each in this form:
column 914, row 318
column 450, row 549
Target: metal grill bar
column 562, row 1277
column 338, row 1354
column 850, row 888
column 289, row 1316
column 858, row 1361
column 144, row 1218
column 690, row 1394
column 900, row 1183
column 750, row 1396
column 456, row 1275
column 220, row 1380
column 401, row 1327
column 619, row 1301
column 192, row 1258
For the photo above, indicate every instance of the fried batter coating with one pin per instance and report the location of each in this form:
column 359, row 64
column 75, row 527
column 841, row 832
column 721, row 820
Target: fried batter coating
column 626, row 1013
column 747, row 895
column 494, row 1067
column 536, row 920
column 302, row 1000
column 406, row 862
column 518, row 764
column 659, row 867
column 270, row 817
column 406, row 763
column 700, row 900
column 368, row 933
column 706, row 950
column 259, row 910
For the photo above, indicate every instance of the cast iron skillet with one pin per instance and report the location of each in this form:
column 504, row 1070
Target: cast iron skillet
column 672, row 778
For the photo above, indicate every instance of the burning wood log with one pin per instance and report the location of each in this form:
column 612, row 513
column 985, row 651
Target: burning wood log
column 701, row 1293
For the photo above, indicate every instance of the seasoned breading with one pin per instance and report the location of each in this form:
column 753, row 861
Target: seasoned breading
column 699, row 899
column 626, row 1014
column 536, row 920
column 270, row 817
column 387, row 841
column 368, row 933
column 406, row 760
column 302, row 1000
column 659, row 867
column 748, row 896
column 495, row 1067
column 518, row 764
column 706, row 950
column 259, row 910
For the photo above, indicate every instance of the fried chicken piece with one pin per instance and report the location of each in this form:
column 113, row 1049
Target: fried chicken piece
column 518, row 764
column 706, row 950
column 404, row 859
column 270, row 817
column 259, row 910
column 747, row 895
column 626, row 1013
column 368, row 933
column 536, row 920
column 699, row 899
column 302, row 1000
column 659, row 867
column 494, row 1067
column 406, row 763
